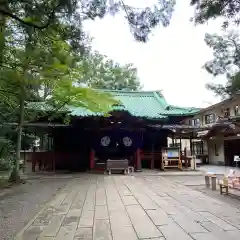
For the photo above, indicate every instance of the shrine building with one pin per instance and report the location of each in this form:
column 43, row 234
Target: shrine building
column 136, row 129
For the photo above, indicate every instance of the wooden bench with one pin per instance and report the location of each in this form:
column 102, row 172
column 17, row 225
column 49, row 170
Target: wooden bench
column 119, row 165
column 232, row 183
column 223, row 187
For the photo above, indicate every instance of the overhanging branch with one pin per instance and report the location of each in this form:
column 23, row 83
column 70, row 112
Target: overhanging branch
column 31, row 24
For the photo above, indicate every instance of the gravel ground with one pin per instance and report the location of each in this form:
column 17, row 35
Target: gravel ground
column 21, row 203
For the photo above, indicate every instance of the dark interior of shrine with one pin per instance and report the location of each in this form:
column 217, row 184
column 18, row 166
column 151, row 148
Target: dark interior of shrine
column 74, row 143
column 153, row 142
column 73, row 147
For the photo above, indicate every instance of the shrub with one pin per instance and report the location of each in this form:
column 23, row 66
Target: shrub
column 6, row 147
column 6, row 163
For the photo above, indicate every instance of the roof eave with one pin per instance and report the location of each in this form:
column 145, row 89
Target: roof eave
column 180, row 114
column 137, row 116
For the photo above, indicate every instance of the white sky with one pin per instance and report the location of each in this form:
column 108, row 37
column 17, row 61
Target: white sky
column 170, row 61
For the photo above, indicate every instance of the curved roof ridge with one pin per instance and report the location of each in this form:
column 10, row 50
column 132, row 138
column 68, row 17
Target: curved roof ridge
column 131, row 91
column 160, row 98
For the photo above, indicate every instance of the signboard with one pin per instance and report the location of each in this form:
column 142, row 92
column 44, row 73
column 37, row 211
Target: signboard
column 173, row 153
column 236, row 159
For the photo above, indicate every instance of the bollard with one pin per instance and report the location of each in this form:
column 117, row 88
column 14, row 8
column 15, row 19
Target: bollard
column 207, row 181
column 214, row 183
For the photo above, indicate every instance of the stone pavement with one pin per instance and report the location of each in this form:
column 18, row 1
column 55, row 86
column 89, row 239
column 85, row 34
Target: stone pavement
column 120, row 207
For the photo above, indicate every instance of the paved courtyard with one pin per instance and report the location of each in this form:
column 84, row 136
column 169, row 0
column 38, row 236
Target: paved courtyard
column 118, row 207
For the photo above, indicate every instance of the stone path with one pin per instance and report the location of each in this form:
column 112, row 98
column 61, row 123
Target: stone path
column 120, row 207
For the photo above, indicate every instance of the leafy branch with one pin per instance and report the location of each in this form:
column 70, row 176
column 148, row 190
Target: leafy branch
column 50, row 18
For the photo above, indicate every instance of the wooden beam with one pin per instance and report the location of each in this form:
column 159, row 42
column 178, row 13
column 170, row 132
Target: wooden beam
column 180, row 143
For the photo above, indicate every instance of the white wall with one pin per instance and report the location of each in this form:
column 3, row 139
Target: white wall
column 219, row 142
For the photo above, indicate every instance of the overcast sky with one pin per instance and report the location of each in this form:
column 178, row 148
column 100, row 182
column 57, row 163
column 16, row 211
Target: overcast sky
column 170, row 61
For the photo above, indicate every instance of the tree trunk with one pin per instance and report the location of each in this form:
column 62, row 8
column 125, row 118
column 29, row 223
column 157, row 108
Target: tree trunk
column 3, row 5
column 15, row 175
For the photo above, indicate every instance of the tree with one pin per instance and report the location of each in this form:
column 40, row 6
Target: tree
column 99, row 72
column 206, row 10
column 63, row 93
column 226, row 52
column 227, row 90
column 30, row 61
column 226, row 61
column 46, row 13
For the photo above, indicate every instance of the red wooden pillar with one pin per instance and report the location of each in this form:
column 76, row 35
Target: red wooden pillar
column 92, row 158
column 138, row 160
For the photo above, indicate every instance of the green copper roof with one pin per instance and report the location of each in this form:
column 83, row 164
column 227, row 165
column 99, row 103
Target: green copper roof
column 139, row 104
column 149, row 104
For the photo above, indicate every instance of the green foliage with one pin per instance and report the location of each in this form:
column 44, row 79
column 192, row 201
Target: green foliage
column 6, row 154
column 6, row 147
column 226, row 61
column 41, row 15
column 66, row 93
column 99, row 72
column 226, row 90
column 226, row 53
column 206, row 10
column 51, row 66
column 32, row 61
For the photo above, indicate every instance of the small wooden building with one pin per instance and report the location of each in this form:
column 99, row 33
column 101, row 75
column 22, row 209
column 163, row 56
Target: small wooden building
column 223, row 139
column 129, row 133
